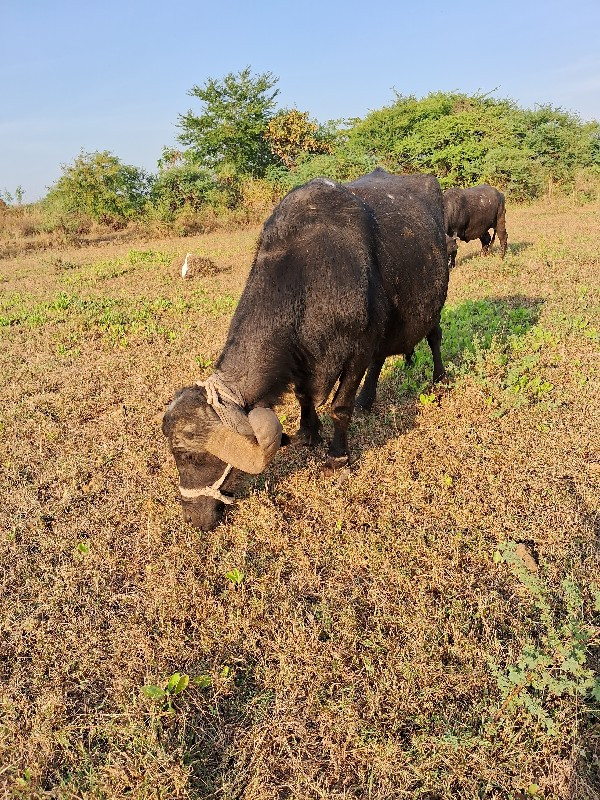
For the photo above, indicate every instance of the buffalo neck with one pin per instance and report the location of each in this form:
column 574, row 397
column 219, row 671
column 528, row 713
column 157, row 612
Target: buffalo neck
column 257, row 360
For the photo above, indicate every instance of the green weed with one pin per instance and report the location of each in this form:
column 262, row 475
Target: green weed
column 556, row 664
column 204, row 363
column 235, row 575
column 176, row 684
column 151, row 257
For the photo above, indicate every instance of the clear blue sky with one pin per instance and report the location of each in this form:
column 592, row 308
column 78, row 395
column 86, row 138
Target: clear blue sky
column 115, row 75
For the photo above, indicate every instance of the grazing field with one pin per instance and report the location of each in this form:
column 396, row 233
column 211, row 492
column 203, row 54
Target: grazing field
column 425, row 624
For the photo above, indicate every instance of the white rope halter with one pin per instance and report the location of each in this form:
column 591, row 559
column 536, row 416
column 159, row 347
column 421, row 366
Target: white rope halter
column 227, row 402
column 209, row 491
column 221, row 398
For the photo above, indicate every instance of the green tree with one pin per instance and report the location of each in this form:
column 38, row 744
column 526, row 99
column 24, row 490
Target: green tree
column 229, row 133
column 560, row 141
column 182, row 186
column 100, row 186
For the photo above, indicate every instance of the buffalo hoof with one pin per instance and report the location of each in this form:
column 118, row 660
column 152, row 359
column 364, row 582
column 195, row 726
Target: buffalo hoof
column 334, row 463
column 306, row 438
column 364, row 406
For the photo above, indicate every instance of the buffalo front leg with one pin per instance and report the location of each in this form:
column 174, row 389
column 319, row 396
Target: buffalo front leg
column 341, row 413
column 310, row 425
column 366, row 398
column 434, row 339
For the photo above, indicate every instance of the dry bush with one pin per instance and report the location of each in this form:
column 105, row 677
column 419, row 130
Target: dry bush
column 586, row 185
column 259, row 197
column 349, row 636
column 198, row 266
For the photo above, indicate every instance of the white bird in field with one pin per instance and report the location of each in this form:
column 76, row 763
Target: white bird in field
column 185, row 267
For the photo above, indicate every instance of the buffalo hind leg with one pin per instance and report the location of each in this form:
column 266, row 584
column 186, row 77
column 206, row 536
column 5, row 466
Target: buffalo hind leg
column 502, row 234
column 341, row 413
column 434, row 340
column 309, row 432
column 485, row 243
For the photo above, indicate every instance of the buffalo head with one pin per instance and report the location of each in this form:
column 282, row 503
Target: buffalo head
column 452, row 250
column 210, row 456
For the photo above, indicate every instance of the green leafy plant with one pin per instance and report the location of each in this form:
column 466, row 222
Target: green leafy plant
column 427, row 399
column 230, row 128
column 291, row 134
column 202, row 681
column 176, row 684
column 204, row 363
column 235, row 575
column 100, row 186
column 182, row 185
column 556, row 664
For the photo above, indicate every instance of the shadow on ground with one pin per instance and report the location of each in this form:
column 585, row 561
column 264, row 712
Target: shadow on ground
column 474, row 324
column 470, row 325
column 513, row 249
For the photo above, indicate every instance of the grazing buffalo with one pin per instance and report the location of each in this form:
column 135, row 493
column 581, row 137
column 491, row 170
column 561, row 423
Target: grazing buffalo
column 343, row 276
column 471, row 213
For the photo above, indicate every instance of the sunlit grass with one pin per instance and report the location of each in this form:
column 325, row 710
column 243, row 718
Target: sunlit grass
column 424, row 624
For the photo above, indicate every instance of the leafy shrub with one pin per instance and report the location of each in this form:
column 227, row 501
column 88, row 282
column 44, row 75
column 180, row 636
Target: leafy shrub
column 559, row 663
column 183, row 186
column 516, row 171
column 586, row 183
column 258, row 197
column 99, row 187
column 468, row 139
column 344, row 164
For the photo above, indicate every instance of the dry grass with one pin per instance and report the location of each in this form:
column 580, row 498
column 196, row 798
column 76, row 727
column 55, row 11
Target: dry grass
column 365, row 649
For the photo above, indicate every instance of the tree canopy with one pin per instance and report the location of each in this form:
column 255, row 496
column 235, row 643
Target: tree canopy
column 230, row 129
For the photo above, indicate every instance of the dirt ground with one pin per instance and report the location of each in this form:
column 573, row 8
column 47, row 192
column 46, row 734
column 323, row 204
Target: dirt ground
column 424, row 624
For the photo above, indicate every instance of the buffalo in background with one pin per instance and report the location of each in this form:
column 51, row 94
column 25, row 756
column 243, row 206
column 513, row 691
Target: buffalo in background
column 343, row 276
column 471, row 213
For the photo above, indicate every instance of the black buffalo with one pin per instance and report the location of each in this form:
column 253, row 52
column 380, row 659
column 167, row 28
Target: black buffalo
column 472, row 213
column 343, row 276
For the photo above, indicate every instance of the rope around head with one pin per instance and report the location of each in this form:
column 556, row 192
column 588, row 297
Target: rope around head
column 222, row 397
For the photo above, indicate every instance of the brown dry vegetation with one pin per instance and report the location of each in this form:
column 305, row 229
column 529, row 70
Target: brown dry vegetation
column 372, row 644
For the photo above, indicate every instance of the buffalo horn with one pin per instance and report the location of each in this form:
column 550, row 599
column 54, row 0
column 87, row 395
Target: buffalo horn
column 247, row 453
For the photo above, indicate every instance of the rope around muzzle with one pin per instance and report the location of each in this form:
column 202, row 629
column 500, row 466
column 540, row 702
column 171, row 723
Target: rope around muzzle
column 209, row 491
column 221, row 398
